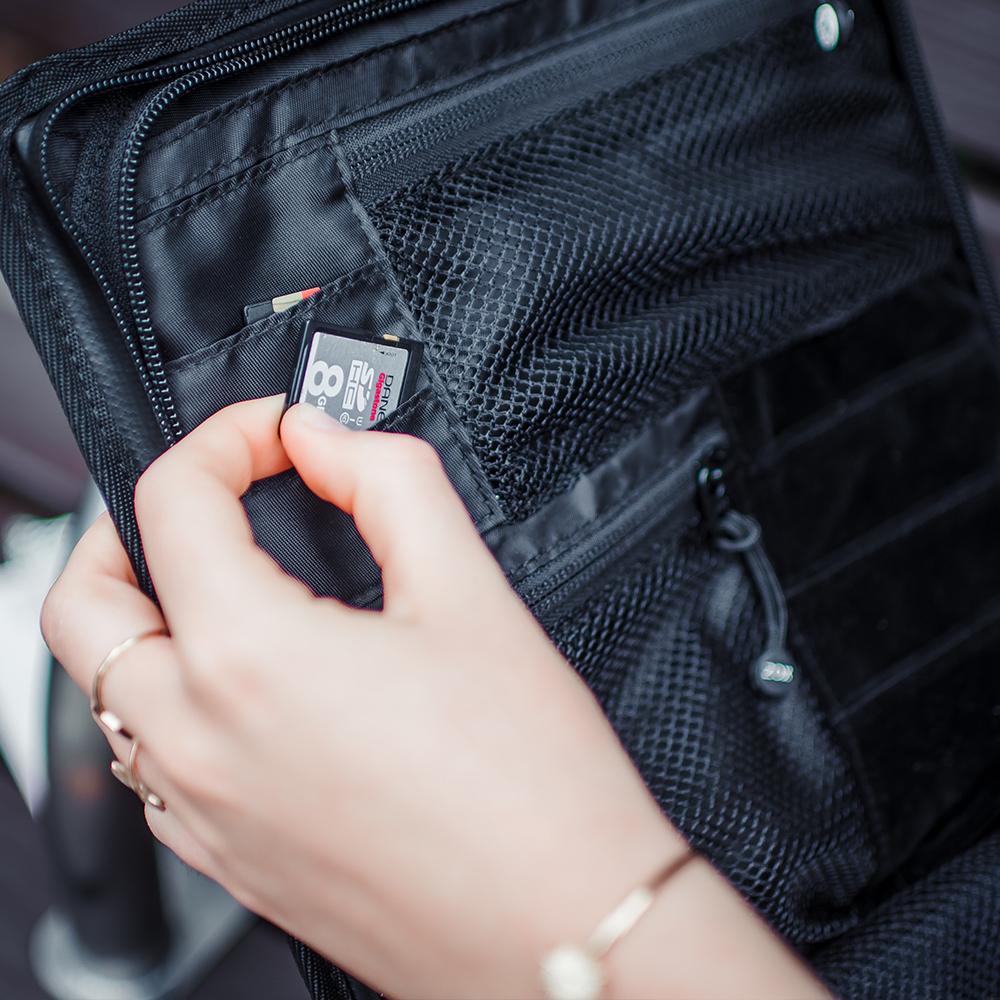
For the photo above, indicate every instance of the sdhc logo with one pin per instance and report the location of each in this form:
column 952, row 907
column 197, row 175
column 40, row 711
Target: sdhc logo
column 325, row 381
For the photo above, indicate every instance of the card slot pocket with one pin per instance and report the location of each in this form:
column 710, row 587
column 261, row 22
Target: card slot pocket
column 889, row 532
column 810, row 430
column 780, row 402
column 276, row 218
column 916, row 580
column 921, row 666
column 278, row 232
column 259, row 359
column 562, row 314
column 317, row 543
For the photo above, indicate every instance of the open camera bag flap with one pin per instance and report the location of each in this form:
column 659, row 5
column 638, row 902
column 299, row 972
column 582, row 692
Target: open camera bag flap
column 710, row 356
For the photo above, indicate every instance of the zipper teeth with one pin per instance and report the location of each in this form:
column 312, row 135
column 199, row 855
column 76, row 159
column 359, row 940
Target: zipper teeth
column 657, row 507
column 74, row 232
column 388, row 150
column 142, row 343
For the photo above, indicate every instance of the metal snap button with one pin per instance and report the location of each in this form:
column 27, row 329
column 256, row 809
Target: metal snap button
column 832, row 24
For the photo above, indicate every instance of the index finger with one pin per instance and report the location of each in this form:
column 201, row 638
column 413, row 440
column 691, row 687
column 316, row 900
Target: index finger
column 199, row 546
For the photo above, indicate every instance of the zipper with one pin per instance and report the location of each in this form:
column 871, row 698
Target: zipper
column 773, row 672
column 133, row 317
column 673, row 33
column 567, row 578
column 138, row 329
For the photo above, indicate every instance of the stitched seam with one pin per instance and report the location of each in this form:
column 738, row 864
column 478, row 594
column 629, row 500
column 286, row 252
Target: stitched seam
column 528, row 56
column 198, row 34
column 404, row 409
column 92, row 59
column 473, row 466
column 331, row 293
column 454, row 71
column 412, row 405
column 368, row 231
column 471, row 461
column 842, row 737
column 279, row 89
column 562, row 544
column 447, row 173
column 457, row 430
column 264, row 486
column 423, row 402
column 221, row 166
column 929, row 653
column 24, row 80
column 889, row 384
column 260, row 172
column 48, row 290
column 891, row 530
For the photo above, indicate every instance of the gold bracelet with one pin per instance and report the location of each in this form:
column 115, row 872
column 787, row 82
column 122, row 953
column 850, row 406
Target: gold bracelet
column 572, row 972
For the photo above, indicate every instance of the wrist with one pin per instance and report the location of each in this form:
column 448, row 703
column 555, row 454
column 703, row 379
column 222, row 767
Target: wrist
column 593, row 879
column 674, row 948
column 579, row 971
column 701, row 938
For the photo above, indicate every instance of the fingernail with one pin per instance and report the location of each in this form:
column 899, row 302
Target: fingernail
column 315, row 418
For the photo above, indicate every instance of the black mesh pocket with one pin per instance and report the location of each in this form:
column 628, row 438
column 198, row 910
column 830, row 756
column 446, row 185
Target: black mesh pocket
column 582, row 275
column 759, row 785
column 935, row 939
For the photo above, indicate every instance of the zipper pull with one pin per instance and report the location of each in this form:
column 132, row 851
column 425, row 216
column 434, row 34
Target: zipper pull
column 773, row 673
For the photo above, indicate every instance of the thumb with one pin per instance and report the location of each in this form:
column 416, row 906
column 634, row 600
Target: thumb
column 402, row 502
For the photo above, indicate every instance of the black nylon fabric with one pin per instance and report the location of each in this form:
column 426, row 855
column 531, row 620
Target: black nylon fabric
column 583, row 278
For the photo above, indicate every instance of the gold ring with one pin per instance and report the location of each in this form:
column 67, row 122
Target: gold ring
column 128, row 775
column 97, row 709
column 149, row 797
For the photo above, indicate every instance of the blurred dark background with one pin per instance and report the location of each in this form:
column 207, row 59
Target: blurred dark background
column 32, row 30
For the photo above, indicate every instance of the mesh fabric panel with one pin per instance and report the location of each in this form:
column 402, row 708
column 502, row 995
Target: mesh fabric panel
column 576, row 278
column 760, row 787
column 936, row 940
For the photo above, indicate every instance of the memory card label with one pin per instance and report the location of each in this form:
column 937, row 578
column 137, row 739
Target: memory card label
column 356, row 379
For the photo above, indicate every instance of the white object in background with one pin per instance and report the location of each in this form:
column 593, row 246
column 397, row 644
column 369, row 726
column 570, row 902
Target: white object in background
column 36, row 550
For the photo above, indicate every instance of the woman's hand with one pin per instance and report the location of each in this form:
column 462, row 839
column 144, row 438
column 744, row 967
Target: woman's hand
column 428, row 795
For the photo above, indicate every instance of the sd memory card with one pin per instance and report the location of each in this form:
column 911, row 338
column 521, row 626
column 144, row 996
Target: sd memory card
column 261, row 310
column 355, row 378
